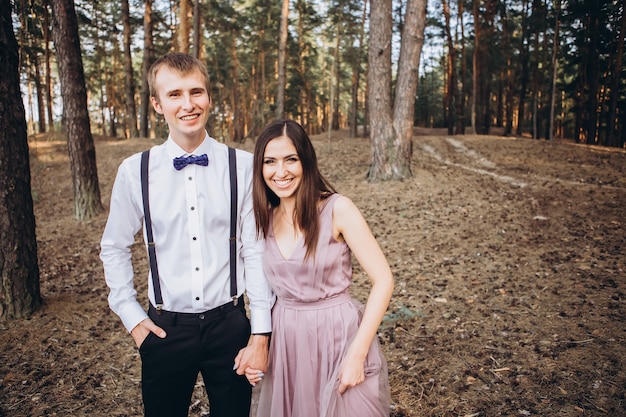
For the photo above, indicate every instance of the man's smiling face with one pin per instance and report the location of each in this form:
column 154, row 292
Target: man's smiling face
column 184, row 102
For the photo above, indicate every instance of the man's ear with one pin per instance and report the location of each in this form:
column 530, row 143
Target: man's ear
column 156, row 105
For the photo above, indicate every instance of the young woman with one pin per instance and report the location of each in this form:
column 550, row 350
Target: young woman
column 325, row 360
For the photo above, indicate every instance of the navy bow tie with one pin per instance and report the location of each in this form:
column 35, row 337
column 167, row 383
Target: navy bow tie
column 182, row 161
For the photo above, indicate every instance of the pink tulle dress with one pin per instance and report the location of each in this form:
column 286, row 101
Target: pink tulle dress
column 314, row 321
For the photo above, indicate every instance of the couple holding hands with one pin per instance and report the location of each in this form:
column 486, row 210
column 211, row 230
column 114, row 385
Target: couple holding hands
column 292, row 236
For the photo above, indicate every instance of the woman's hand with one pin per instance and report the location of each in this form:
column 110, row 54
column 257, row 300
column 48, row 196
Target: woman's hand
column 352, row 373
column 254, row 376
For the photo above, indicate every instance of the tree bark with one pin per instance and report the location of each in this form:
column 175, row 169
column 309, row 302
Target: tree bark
column 404, row 104
column 451, row 68
column 523, row 56
column 336, row 77
column 379, row 96
column 555, row 53
column 593, row 75
column 238, row 117
column 46, row 40
column 282, row 58
column 392, row 137
column 305, row 99
column 475, row 66
column 509, row 75
column 461, row 100
column 19, row 270
column 356, row 76
column 39, row 90
column 535, row 81
column 183, row 27
column 622, row 137
column 484, row 29
column 129, row 94
column 500, row 98
column 82, row 151
column 611, row 133
column 148, row 57
column 197, row 29
column 113, row 102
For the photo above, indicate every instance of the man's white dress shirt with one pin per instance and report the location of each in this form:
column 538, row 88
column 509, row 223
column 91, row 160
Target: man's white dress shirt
column 190, row 211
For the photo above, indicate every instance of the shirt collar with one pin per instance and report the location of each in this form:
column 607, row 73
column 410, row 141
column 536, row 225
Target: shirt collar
column 174, row 150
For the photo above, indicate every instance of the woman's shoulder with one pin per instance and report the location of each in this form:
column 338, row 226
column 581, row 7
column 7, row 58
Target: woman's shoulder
column 345, row 215
column 342, row 205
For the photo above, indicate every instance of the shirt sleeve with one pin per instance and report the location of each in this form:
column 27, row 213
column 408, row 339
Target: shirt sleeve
column 124, row 221
column 258, row 289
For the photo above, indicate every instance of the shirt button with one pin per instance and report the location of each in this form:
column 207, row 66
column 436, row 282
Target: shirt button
column 197, row 269
column 190, row 178
column 197, row 298
column 194, row 238
column 192, row 208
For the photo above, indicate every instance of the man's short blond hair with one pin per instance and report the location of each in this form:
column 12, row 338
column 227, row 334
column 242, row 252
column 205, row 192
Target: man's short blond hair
column 180, row 62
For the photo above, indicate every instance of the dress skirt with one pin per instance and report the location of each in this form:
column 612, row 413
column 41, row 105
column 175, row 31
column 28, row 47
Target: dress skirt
column 305, row 359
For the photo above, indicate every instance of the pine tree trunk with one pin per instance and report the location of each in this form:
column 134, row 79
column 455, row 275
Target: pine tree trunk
column 197, row 29
column 356, row 76
column 579, row 116
column 593, row 76
column 510, row 77
column 611, row 132
column 391, row 138
column 39, row 90
column 129, row 93
column 475, row 66
column 82, row 151
column 148, row 54
column 46, row 40
column 379, row 94
column 336, row 77
column 282, row 59
column 238, row 117
column 404, row 104
column 19, row 270
column 622, row 137
column 305, row 99
column 451, row 94
column 500, row 99
column 521, row 115
column 484, row 28
column 183, row 27
column 460, row 113
column 555, row 52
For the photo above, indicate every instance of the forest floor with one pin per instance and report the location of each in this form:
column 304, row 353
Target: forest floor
column 510, row 268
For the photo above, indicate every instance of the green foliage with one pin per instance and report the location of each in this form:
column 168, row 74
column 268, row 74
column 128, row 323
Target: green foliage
column 239, row 47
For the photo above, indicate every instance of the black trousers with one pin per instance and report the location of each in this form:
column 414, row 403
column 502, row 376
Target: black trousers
column 205, row 343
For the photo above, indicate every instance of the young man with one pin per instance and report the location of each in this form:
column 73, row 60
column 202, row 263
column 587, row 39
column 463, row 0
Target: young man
column 193, row 325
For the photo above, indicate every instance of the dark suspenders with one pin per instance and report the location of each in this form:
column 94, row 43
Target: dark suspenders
column 158, row 299
column 232, row 167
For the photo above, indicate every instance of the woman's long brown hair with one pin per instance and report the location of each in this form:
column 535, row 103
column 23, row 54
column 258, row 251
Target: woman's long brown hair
column 313, row 188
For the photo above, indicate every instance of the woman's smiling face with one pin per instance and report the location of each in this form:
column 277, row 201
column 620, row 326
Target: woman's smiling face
column 282, row 168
